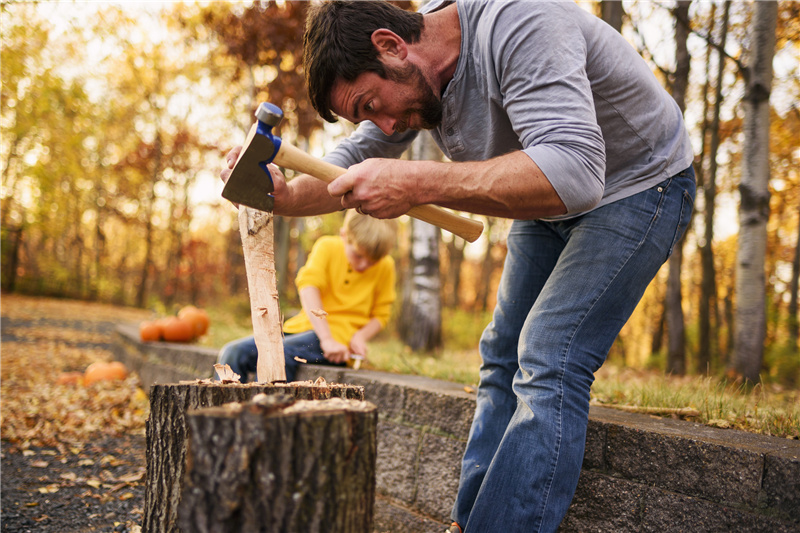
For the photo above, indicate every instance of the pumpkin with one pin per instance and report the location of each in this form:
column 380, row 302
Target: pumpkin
column 150, row 331
column 198, row 318
column 103, row 371
column 178, row 330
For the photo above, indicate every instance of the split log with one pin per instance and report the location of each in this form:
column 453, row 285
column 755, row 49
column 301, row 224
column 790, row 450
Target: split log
column 166, row 433
column 276, row 465
column 257, row 232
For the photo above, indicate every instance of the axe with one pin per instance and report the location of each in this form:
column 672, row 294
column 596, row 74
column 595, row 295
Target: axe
column 247, row 185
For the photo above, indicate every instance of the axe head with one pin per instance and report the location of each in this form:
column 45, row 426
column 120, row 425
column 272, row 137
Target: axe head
column 250, row 184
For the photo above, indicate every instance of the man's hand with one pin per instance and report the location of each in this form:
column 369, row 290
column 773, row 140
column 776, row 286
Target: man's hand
column 381, row 188
column 334, row 352
column 281, row 191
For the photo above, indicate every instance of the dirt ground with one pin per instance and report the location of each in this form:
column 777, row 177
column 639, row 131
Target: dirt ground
column 73, row 457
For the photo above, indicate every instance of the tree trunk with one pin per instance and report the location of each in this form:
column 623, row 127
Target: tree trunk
column 750, row 312
column 709, row 317
column 673, row 302
column 277, row 465
column 420, row 322
column 166, row 434
column 256, row 229
column 487, row 267
column 611, row 12
column 455, row 258
column 794, row 327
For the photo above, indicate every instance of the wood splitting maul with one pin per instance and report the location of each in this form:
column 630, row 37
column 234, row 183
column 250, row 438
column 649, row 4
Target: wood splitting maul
column 247, row 185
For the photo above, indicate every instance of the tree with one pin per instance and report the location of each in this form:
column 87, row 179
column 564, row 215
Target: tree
column 673, row 302
column 750, row 313
column 420, row 321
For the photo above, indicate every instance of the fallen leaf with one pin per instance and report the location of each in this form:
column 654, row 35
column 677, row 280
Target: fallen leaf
column 94, row 483
column 49, row 489
column 39, row 464
column 126, row 496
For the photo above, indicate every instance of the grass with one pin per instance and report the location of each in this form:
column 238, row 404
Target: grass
column 766, row 409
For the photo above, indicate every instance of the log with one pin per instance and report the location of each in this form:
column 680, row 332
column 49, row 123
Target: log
column 257, row 232
column 276, row 465
column 166, row 433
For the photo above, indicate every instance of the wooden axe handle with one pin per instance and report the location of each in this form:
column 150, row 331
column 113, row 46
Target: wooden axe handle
column 292, row 157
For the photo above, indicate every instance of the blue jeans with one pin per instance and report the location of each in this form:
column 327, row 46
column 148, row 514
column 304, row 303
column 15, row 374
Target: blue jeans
column 242, row 355
column 567, row 289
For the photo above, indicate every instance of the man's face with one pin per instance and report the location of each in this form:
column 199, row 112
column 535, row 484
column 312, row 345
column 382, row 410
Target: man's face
column 401, row 101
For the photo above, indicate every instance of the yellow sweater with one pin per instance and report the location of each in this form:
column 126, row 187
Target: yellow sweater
column 350, row 298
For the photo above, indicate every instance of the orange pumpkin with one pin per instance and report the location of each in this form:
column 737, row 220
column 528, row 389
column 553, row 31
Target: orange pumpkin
column 197, row 317
column 103, row 371
column 178, row 330
column 150, row 331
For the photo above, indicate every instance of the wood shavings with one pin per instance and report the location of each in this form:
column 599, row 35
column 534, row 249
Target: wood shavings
column 300, row 360
column 226, row 375
column 319, row 313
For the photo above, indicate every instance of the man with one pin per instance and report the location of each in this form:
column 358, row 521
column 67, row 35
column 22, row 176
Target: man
column 551, row 119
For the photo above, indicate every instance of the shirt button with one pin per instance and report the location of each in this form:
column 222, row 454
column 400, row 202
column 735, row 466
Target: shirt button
column 450, row 132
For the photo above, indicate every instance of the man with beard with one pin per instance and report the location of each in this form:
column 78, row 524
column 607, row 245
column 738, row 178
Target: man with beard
column 549, row 118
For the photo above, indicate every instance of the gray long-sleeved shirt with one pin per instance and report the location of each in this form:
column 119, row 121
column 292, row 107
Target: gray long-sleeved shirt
column 558, row 83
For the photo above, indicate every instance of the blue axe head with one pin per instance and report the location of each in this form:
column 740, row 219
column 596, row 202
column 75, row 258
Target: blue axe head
column 250, row 182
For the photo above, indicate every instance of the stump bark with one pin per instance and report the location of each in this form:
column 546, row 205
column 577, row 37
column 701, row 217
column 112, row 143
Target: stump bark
column 276, row 465
column 166, row 434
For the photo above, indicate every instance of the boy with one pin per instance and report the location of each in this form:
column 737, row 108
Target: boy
column 346, row 289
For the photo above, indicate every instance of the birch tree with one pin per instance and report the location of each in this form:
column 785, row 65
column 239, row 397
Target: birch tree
column 420, row 322
column 750, row 313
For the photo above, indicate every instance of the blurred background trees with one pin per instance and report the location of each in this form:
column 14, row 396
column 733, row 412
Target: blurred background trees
column 115, row 121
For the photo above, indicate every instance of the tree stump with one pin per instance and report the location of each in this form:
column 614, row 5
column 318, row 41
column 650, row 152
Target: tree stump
column 277, row 465
column 166, row 433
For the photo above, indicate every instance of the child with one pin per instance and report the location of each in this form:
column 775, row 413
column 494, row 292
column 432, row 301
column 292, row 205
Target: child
column 346, row 288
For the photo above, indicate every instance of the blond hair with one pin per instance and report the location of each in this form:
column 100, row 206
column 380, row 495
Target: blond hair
column 375, row 237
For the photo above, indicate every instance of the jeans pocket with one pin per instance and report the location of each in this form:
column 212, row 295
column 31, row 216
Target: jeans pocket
column 687, row 206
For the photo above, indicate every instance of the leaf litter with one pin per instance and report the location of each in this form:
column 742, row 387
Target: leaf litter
column 72, row 456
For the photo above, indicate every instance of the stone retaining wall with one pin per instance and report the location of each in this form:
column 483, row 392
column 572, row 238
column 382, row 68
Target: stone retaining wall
column 640, row 473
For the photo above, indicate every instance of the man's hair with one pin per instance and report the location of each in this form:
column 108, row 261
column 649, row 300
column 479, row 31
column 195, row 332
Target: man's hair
column 338, row 43
column 375, row 237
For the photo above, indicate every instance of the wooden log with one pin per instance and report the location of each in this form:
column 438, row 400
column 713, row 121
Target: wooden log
column 257, row 232
column 166, row 433
column 276, row 465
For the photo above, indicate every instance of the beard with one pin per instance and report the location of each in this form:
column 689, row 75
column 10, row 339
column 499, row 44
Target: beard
column 428, row 106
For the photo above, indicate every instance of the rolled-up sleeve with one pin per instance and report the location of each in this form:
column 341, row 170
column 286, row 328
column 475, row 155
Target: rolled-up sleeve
column 541, row 71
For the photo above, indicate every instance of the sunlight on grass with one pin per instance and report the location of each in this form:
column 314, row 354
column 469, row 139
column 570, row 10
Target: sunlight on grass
column 766, row 409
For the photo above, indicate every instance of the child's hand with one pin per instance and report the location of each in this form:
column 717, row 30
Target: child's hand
column 358, row 345
column 335, row 352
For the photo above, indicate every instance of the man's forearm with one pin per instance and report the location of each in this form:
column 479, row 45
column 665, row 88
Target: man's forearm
column 307, row 196
column 510, row 186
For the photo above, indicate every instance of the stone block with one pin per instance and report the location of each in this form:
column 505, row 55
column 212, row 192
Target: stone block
column 391, row 518
column 781, row 484
column 439, row 471
column 685, row 465
column 396, row 464
column 593, row 455
column 668, row 512
column 604, row 504
column 448, row 412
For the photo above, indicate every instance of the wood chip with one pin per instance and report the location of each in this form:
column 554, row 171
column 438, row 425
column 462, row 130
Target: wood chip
column 226, row 374
column 299, row 360
column 319, row 313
